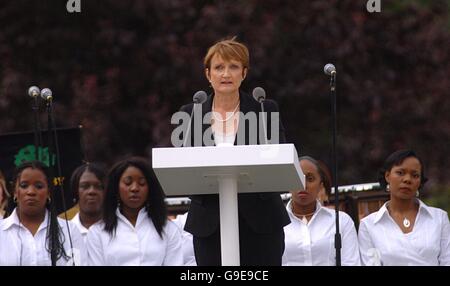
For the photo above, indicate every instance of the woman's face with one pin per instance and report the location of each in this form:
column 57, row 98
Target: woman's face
column 225, row 76
column 91, row 193
column 313, row 185
column 32, row 192
column 133, row 188
column 404, row 179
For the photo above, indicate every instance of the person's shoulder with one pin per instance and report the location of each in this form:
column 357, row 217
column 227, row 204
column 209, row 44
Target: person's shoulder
column 187, row 107
column 369, row 219
column 171, row 226
column 438, row 212
column 64, row 224
column 271, row 105
column 345, row 217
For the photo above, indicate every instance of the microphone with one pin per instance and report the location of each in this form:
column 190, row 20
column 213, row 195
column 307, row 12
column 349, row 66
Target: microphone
column 34, row 91
column 47, row 94
column 259, row 94
column 198, row 98
column 329, row 69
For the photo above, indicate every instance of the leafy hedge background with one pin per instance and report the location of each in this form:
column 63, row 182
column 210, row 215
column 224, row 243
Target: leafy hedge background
column 121, row 68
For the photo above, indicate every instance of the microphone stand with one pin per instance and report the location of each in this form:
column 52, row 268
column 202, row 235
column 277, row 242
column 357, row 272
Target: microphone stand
column 337, row 237
column 53, row 139
column 261, row 101
column 37, row 129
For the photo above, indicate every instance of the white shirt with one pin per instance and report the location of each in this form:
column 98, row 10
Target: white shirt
column 188, row 244
column 312, row 244
column 19, row 247
column 83, row 230
column 135, row 245
column 382, row 241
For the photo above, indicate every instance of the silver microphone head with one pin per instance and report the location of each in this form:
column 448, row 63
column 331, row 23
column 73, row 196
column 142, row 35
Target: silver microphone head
column 259, row 94
column 199, row 97
column 34, row 91
column 329, row 69
column 46, row 94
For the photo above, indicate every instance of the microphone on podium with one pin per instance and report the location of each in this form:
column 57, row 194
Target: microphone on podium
column 198, row 99
column 259, row 94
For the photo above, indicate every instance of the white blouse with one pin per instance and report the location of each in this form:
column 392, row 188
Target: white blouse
column 188, row 244
column 19, row 247
column 312, row 244
column 83, row 230
column 135, row 245
column 382, row 241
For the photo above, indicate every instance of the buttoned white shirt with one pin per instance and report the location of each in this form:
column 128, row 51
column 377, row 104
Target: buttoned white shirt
column 19, row 247
column 83, row 230
column 188, row 244
column 312, row 244
column 382, row 241
column 135, row 245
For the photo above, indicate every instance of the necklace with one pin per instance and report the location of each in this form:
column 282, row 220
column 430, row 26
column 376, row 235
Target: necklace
column 406, row 222
column 303, row 219
column 229, row 117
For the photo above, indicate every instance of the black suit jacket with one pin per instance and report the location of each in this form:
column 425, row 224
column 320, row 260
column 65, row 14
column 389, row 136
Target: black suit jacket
column 263, row 212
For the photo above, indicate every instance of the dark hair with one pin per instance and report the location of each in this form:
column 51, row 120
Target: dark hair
column 55, row 237
column 155, row 205
column 324, row 173
column 396, row 159
column 96, row 168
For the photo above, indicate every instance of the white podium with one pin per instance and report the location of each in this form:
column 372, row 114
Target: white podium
column 226, row 171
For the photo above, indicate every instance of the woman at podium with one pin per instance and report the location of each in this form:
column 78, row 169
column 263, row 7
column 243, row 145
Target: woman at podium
column 404, row 231
column 262, row 216
column 310, row 235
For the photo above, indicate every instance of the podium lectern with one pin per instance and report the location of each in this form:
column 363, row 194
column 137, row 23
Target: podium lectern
column 227, row 171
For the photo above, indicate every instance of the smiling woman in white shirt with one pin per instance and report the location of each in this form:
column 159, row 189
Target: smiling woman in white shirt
column 33, row 235
column 135, row 229
column 309, row 238
column 404, row 231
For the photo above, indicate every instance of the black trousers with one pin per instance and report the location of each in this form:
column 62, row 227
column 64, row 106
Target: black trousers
column 256, row 249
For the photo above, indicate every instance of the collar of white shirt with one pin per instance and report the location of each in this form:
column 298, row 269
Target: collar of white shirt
column 423, row 208
column 141, row 216
column 81, row 227
column 13, row 219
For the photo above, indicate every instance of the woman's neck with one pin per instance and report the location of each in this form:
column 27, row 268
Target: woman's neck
column 130, row 214
column 226, row 102
column 87, row 219
column 31, row 222
column 402, row 206
column 306, row 210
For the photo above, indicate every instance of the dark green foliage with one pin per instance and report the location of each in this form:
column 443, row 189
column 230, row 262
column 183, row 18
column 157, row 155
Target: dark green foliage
column 121, row 68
